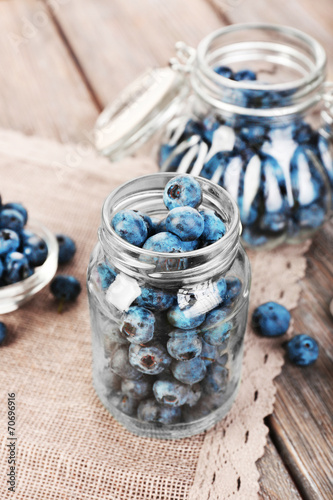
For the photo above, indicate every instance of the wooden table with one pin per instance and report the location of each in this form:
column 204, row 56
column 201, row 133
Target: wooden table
column 61, row 63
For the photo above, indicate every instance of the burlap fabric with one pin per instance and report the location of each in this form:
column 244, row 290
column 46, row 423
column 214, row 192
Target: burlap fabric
column 68, row 446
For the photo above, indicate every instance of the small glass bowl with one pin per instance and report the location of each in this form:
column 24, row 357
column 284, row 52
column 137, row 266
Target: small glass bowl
column 13, row 296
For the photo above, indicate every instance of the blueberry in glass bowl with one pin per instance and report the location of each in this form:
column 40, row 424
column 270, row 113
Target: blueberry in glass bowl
column 27, row 277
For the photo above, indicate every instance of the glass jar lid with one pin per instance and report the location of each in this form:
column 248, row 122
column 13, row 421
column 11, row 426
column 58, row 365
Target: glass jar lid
column 140, row 110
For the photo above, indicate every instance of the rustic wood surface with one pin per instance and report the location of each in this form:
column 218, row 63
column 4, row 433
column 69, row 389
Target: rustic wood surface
column 63, row 60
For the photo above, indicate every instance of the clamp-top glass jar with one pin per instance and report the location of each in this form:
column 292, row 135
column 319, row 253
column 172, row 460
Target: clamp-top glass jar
column 183, row 377
column 257, row 120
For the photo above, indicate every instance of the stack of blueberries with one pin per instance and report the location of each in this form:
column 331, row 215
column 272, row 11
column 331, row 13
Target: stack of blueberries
column 165, row 364
column 279, row 170
column 21, row 251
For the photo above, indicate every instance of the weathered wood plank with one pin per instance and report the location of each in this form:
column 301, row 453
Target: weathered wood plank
column 275, row 482
column 302, row 423
column 314, row 18
column 116, row 41
column 41, row 90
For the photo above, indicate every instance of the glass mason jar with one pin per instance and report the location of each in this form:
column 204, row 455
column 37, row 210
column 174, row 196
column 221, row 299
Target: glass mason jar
column 174, row 371
column 265, row 135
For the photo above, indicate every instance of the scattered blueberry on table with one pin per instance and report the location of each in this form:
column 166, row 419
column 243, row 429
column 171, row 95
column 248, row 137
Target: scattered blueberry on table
column 271, row 319
column 65, row 289
column 67, row 248
column 302, row 350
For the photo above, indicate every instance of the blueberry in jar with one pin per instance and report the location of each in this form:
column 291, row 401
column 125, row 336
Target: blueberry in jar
column 164, row 242
column 138, row 325
column 214, row 227
column 184, row 319
column 153, row 298
column 149, row 359
column 124, row 403
column 245, row 74
column 224, row 71
column 151, row 411
column 189, row 372
column 185, row 222
column 67, row 248
column 121, row 366
column 137, row 389
column 106, row 274
column 216, row 379
column 170, row 392
column 215, row 330
column 181, row 191
column 302, row 350
column 234, row 288
column 184, row 346
column 130, row 226
column 271, row 319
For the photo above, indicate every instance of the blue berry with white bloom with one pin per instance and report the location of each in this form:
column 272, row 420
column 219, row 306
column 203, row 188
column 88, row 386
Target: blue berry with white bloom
column 130, row 226
column 3, row 332
column 151, row 411
column 65, row 288
column 106, row 274
column 216, row 379
column 164, row 242
column 126, row 404
column 184, row 346
column 245, row 74
column 189, row 246
column 148, row 221
column 271, row 319
column 170, row 392
column 302, row 350
column 215, row 330
column 185, row 222
column 35, row 249
column 189, row 372
column 214, row 227
column 138, row 325
column 234, row 288
column 182, row 318
column 137, row 389
column 182, row 191
column 121, row 365
column 151, row 360
column 11, row 219
column 67, row 248
column 224, row 71
column 17, row 268
column 153, row 298
column 19, row 208
column 9, row 241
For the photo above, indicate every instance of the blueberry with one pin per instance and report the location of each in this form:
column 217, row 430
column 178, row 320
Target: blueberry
column 147, row 220
column 214, row 227
column 170, row 392
column 186, row 223
column 17, row 268
column 110, row 380
column 67, row 248
column 35, row 249
column 184, row 346
column 107, row 275
column 224, row 71
column 194, row 394
column 138, row 325
column 189, row 246
column 19, row 208
column 153, row 298
column 137, row 389
column 164, row 242
column 183, row 318
column 213, row 354
column 151, row 411
column 245, row 74
column 181, row 191
column 112, row 335
column 151, row 359
column 189, row 372
column 65, row 288
column 121, row 366
column 25, row 234
column 216, row 379
column 9, row 241
column 271, row 319
column 234, row 288
column 130, row 226
column 196, row 412
column 215, row 330
column 11, row 219
column 302, row 350
column 3, row 332
column 124, row 403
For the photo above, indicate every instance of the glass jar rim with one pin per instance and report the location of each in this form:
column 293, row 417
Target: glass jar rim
column 206, row 81
column 210, row 190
